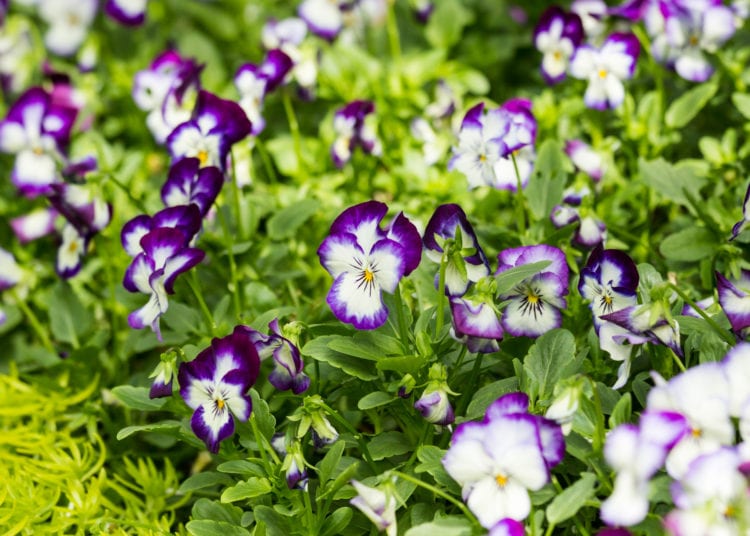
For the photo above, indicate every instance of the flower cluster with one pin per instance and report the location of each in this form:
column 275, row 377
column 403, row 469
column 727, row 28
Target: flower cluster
column 688, row 428
column 498, row 460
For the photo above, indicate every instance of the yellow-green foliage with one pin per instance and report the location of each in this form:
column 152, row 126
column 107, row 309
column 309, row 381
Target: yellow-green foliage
column 55, row 477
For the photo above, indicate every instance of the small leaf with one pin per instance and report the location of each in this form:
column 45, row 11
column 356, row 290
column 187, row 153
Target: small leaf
column 330, row 461
column 446, row 23
column 204, row 480
column 241, row 467
column 253, row 487
column 69, row 320
column 286, row 222
column 403, row 364
column 687, row 106
column 742, row 103
column 510, row 278
column 689, row 245
column 622, row 411
column 488, row 394
column 388, row 444
column 445, row 526
column 137, row 398
column 164, row 426
column 337, row 522
column 567, row 503
column 545, row 188
column 318, row 349
column 552, row 358
column 209, row 527
column 374, row 400
column 275, row 524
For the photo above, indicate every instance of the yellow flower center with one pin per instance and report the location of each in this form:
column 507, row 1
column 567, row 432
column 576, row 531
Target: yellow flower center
column 220, row 403
column 501, row 480
column 73, row 246
column 602, row 73
column 37, row 151
column 482, row 158
column 557, row 55
column 532, row 299
column 368, row 276
column 202, row 157
column 696, row 432
column 607, row 299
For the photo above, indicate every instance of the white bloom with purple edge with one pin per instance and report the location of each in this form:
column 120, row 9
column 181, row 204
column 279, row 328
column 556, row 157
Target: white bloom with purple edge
column 378, row 505
column 556, row 36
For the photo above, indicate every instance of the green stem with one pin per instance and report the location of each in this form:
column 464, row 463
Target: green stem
column 403, row 329
column 195, row 286
column 311, row 523
column 266, row 159
column 236, row 291
column 676, row 359
column 464, row 402
column 440, row 493
column 293, row 127
column 711, row 322
column 520, row 198
column 357, row 436
column 36, row 326
column 441, row 294
column 394, row 41
column 236, row 194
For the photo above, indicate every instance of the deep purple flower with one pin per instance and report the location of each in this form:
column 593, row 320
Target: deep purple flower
column 556, row 36
column 734, row 297
column 449, row 231
column 535, row 303
column 127, row 12
column 365, row 260
column 423, row 10
column 476, row 324
column 188, row 183
column 185, row 218
column 353, row 130
column 85, row 211
column 215, row 385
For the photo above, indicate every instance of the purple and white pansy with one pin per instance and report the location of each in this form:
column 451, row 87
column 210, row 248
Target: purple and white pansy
column 68, row 23
column 37, row 131
column 353, row 127
column 556, row 36
column 188, row 183
column 366, row 260
column 185, row 218
column 35, row 224
column 605, row 68
column 585, row 159
column 323, row 17
column 216, row 125
column 476, row 324
column 378, row 505
column 450, row 238
column 215, row 385
column 254, row 82
column 127, row 12
column 734, row 298
column 534, row 304
column 499, row 460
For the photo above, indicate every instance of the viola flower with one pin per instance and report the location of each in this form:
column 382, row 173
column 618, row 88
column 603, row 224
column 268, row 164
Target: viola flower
column 295, row 467
column 127, row 12
column 215, row 385
column 591, row 230
column 366, row 260
column 422, row 10
column 353, row 130
column 497, row 461
column 283, row 33
column 444, row 103
column 254, row 82
column 167, row 91
column 323, row 18
column 432, row 148
column 216, row 125
column 35, row 224
column 647, row 323
column 433, row 404
column 556, row 36
column 154, row 271
column 37, row 132
column 605, row 68
column 185, row 218
column 592, row 14
column 288, row 365
column 742, row 224
column 505, row 170
column 693, row 30
column 378, row 505
column 565, row 405
column 585, row 159
column 734, row 298
column 609, row 281
column 69, row 22
column 84, row 210
column 535, row 303
column 188, row 183
column 449, row 234
column 163, row 376
column 71, row 252
column 476, row 324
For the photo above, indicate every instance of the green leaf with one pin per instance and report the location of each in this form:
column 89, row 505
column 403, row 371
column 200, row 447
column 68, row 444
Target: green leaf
column 403, row 364
column 671, row 181
column 208, row 527
column 241, row 467
column 552, row 358
column 510, row 278
column 137, row 398
column 252, row 487
column 330, row 461
column 444, row 526
column 431, row 459
column 275, row 524
column 742, row 103
column 262, row 415
column 207, row 509
column 374, row 400
column 689, row 245
column 387, row 445
column 337, row 522
column 163, row 426
column 447, row 23
column 546, row 184
column 567, row 503
column 488, row 394
column 182, row 319
column 204, row 480
column 622, row 411
column 318, row 349
column 286, row 222
column 69, row 320
column 687, row 106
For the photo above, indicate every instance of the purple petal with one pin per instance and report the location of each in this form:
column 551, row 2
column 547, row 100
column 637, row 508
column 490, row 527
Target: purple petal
column 734, row 302
column 404, row 232
column 127, row 12
column 33, row 225
column 507, row 404
column 212, row 427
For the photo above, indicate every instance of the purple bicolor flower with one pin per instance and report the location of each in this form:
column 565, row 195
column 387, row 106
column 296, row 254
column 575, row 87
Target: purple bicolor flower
column 353, row 130
column 497, row 461
column 216, row 125
column 591, row 230
column 37, row 131
column 366, row 260
column 476, row 324
column 295, row 467
column 164, row 256
column 449, row 234
column 379, row 506
column 444, row 104
column 35, row 224
column 167, row 90
column 188, row 183
column 68, row 23
column 163, row 376
column 609, row 281
column 646, row 323
column 605, row 68
column 288, row 370
column 535, row 303
column 423, row 10
column 323, row 17
column 280, row 33
column 734, row 298
column 215, row 385
column 585, row 159
column 434, row 404
column 254, row 82
column 185, row 218
column 127, row 12
column 85, row 211
column 556, row 36
column 71, row 252
column 592, row 14
column 506, row 177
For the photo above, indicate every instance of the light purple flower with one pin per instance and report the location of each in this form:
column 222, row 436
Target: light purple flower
column 449, row 233
column 535, row 303
column 37, row 132
column 605, row 68
column 497, row 461
column 323, row 17
column 505, row 171
column 434, row 404
column 68, row 23
column 127, row 12
column 280, row 33
column 476, row 324
column 254, row 82
column 215, row 385
column 353, row 130
column 35, row 224
column 288, row 365
column 378, row 505
column 592, row 14
column 188, row 182
column 585, row 159
column 556, row 36
column 734, row 298
column 366, row 260
column 215, row 126
column 185, row 218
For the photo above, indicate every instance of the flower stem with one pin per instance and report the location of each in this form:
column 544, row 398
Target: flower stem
column 710, row 321
column 36, row 326
column 520, row 198
column 261, row 447
column 440, row 493
column 236, row 291
column 441, row 294
column 195, row 286
column 394, row 41
column 293, row 127
column 403, row 330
